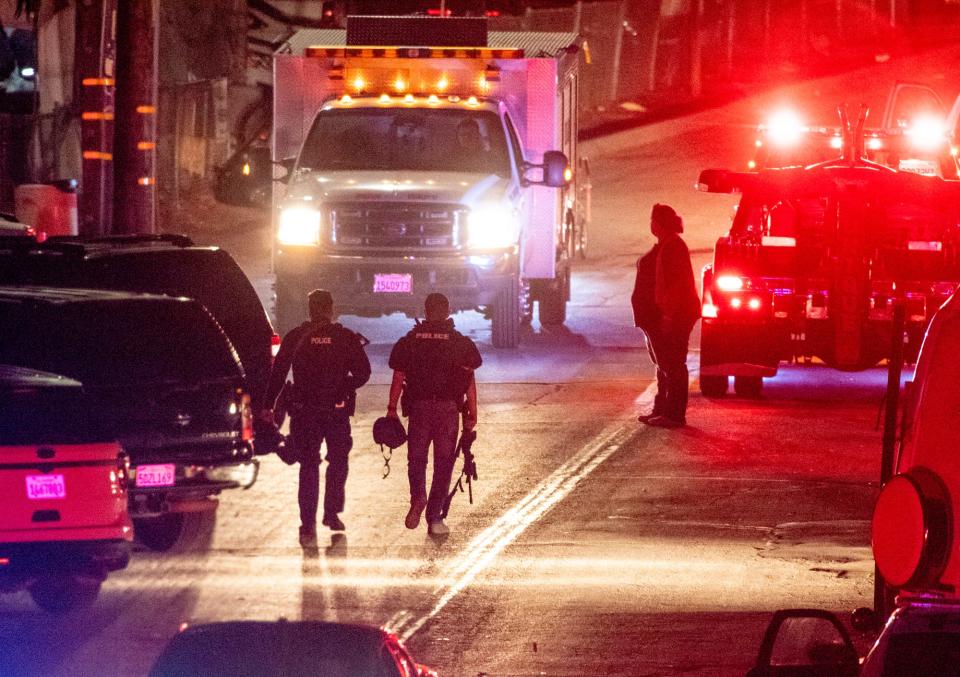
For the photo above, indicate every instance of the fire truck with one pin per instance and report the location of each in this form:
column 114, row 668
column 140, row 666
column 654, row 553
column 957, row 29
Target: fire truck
column 428, row 155
column 815, row 260
column 915, row 134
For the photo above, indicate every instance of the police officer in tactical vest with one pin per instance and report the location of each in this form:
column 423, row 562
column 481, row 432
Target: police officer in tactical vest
column 329, row 365
column 433, row 373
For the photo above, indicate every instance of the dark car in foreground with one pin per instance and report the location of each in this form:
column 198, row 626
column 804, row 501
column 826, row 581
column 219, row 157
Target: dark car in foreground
column 154, row 264
column 166, row 376
column 63, row 490
column 286, row 649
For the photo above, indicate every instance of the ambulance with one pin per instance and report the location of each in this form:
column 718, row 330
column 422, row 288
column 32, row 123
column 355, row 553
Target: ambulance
column 425, row 155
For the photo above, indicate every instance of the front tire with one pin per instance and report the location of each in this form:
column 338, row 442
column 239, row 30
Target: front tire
column 507, row 312
column 714, row 386
column 749, row 387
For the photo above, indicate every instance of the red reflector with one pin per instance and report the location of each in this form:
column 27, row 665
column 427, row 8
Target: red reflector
column 274, row 345
column 4, row 561
column 246, row 419
column 898, row 531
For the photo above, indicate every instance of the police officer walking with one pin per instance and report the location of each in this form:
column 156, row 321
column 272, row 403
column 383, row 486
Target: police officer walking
column 329, row 365
column 666, row 306
column 433, row 373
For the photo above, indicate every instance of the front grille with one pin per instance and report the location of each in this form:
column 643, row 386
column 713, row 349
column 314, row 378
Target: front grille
column 397, row 225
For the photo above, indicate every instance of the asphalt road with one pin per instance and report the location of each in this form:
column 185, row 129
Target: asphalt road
column 595, row 545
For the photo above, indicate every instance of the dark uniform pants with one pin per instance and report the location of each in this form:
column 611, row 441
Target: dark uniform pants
column 437, row 422
column 668, row 351
column 307, row 433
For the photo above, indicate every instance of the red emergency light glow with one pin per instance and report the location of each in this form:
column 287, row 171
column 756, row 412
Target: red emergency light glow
column 785, row 128
column 413, row 52
column 927, row 133
column 754, row 304
column 729, row 283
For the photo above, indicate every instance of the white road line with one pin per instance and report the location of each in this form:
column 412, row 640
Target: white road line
column 486, row 546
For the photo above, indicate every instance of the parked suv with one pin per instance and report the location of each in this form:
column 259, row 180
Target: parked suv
column 63, row 478
column 167, row 377
column 155, row 264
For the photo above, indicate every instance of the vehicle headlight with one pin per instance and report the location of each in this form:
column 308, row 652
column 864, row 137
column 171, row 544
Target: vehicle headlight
column 927, row 133
column 299, row 225
column 492, row 228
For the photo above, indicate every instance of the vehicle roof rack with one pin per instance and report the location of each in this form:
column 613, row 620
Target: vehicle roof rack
column 174, row 239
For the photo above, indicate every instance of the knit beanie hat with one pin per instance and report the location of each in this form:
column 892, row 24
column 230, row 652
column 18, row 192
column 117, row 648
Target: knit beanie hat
column 667, row 217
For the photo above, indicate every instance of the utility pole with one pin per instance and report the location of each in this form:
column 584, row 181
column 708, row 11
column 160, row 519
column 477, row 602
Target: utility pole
column 135, row 134
column 696, row 50
column 94, row 58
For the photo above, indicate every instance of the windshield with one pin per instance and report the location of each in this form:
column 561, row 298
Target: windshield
column 55, row 415
column 118, row 343
column 411, row 139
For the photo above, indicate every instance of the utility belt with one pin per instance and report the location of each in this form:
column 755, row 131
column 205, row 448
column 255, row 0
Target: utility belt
column 297, row 401
column 406, row 401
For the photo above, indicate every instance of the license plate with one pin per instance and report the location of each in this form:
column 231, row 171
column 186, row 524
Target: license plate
column 393, row 284
column 46, row 487
column 924, row 167
column 156, row 475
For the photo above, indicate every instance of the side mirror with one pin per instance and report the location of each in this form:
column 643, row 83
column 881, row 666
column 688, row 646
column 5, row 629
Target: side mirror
column 802, row 642
column 556, row 170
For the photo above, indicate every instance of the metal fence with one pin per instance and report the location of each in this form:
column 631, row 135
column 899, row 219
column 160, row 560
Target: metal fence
column 637, row 50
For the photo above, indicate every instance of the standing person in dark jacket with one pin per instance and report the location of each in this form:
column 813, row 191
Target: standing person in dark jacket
column 329, row 365
column 433, row 371
column 666, row 306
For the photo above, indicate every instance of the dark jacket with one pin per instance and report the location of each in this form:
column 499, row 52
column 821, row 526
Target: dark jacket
column 665, row 292
column 437, row 361
column 329, row 365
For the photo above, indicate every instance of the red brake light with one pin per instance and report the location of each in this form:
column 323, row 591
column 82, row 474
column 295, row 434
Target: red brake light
column 729, row 283
column 246, row 419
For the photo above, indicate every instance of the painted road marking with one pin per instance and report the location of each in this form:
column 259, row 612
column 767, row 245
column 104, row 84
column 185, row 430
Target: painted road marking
column 485, row 547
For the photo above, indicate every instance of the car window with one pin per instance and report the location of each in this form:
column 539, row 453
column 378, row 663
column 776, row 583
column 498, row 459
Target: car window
column 50, row 416
column 116, row 343
column 803, row 640
column 926, row 654
column 209, row 276
column 515, row 144
column 242, row 652
column 406, row 139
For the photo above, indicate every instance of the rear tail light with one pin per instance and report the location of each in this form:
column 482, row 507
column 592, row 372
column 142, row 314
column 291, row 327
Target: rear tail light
column 123, row 470
column 246, row 419
column 274, row 345
column 729, row 283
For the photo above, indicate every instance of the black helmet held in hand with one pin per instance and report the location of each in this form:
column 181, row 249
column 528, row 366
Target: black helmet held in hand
column 389, row 431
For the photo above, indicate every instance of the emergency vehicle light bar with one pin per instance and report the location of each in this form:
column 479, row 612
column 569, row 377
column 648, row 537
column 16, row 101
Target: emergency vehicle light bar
column 414, row 52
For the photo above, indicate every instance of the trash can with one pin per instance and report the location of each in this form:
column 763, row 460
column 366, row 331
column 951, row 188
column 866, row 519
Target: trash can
column 51, row 208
